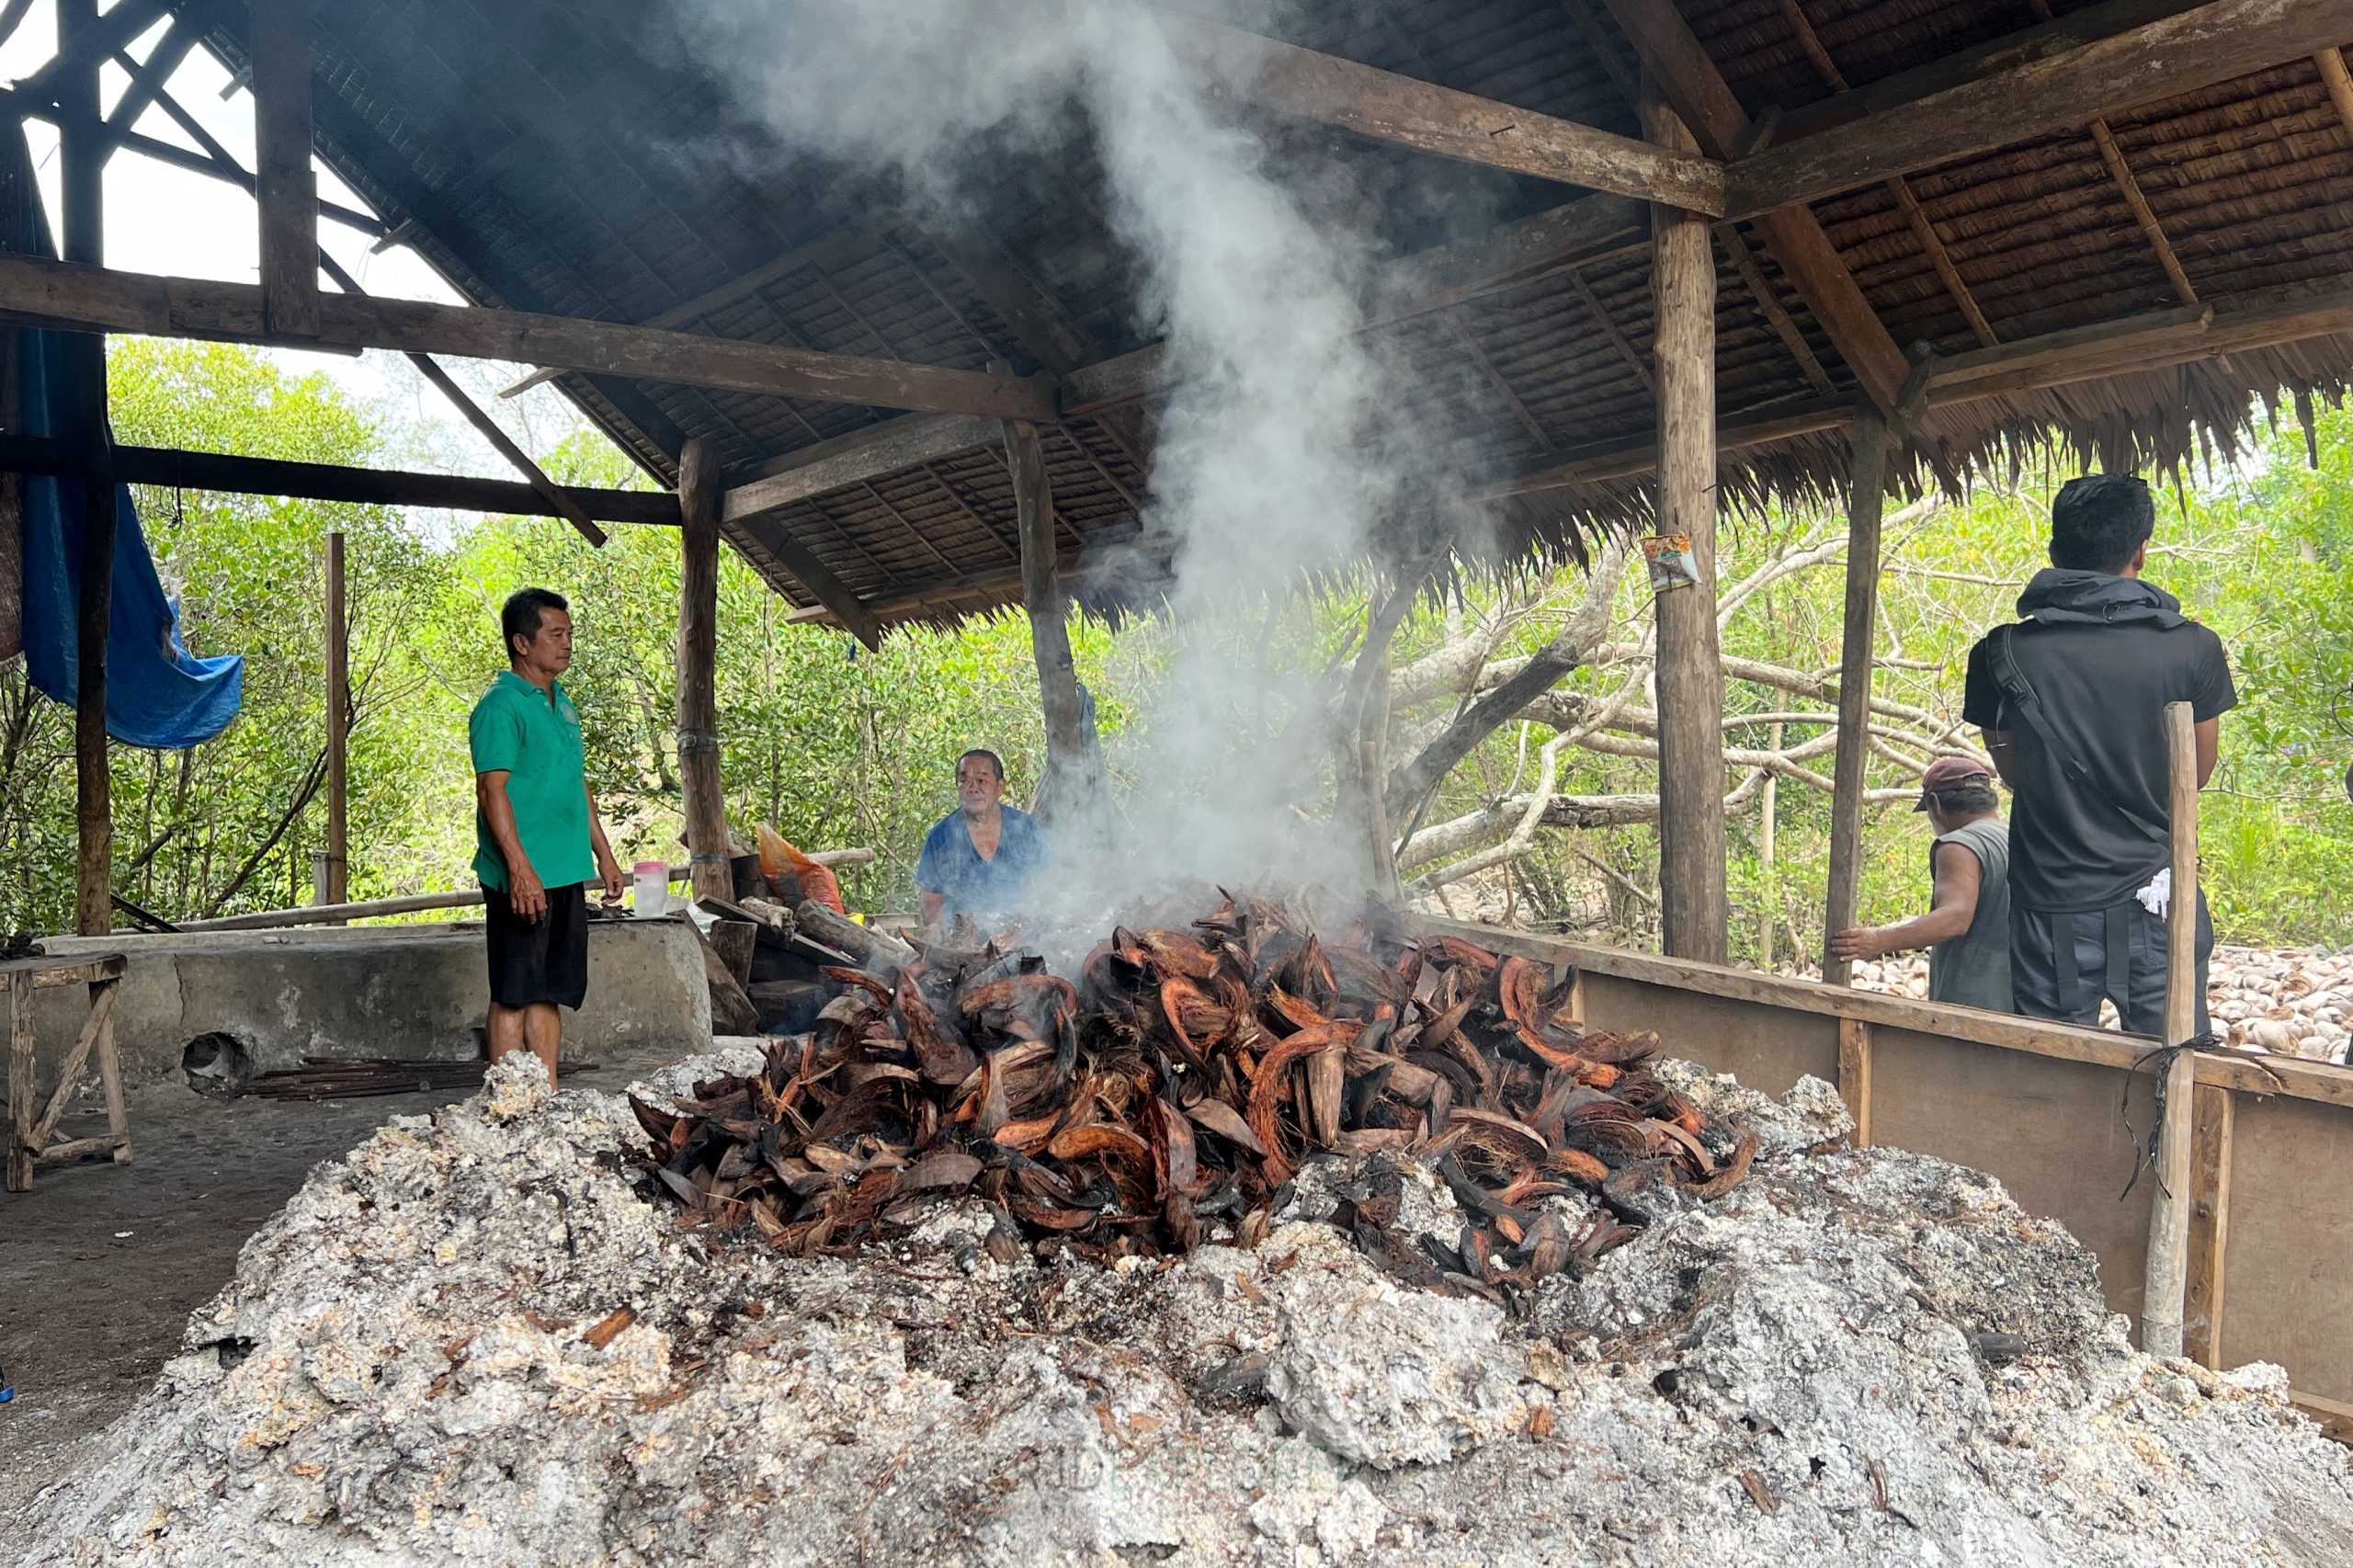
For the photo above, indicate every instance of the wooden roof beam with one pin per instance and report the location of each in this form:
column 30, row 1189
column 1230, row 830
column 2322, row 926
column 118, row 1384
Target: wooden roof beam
column 77, row 298
column 1300, row 84
column 2043, row 81
column 229, row 473
column 2333, row 76
column 1697, row 91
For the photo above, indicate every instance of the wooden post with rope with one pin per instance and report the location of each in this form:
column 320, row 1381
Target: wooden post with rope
column 2168, row 1270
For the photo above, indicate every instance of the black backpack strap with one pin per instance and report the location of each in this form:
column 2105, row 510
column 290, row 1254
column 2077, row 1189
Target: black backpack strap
column 2001, row 660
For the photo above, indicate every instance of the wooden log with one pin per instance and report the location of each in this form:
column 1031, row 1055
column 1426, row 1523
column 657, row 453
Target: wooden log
column 2168, row 1267
column 21, row 1110
column 1069, row 784
column 1866, row 504
column 230, row 475
column 2210, row 1224
column 2164, row 57
column 706, row 804
column 1687, row 78
column 83, row 423
column 1855, row 1076
column 1403, row 111
column 839, row 932
column 110, row 1072
column 284, row 186
column 734, row 940
column 339, row 704
column 1695, row 908
column 75, row 298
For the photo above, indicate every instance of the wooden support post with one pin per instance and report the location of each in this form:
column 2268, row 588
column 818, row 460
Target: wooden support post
column 1866, row 503
column 1768, row 831
column 1695, row 909
column 1855, row 1076
column 706, row 804
column 84, row 426
column 2210, row 1224
column 2169, row 1274
column 1070, row 784
column 283, row 183
column 338, row 877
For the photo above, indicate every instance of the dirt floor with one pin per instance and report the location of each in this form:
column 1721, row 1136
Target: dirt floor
column 101, row 1264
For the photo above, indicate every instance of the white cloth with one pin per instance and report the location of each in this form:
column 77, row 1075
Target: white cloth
column 2158, row 897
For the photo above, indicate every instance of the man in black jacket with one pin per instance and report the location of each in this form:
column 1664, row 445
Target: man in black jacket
column 2072, row 703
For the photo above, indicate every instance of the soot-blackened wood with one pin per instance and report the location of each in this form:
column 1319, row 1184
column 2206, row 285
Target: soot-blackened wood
column 706, row 806
column 1687, row 77
column 338, row 878
column 2189, row 49
column 1069, row 782
column 1695, row 908
column 84, row 426
column 284, row 185
column 1407, row 112
column 1866, row 504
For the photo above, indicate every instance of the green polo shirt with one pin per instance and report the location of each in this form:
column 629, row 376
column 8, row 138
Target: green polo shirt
column 533, row 737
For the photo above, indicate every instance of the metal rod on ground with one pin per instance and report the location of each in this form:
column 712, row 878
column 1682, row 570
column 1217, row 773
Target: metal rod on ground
column 2167, row 1283
column 337, row 890
column 1866, row 503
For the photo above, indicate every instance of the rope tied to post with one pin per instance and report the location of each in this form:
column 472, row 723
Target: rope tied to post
column 2160, row 1061
column 696, row 740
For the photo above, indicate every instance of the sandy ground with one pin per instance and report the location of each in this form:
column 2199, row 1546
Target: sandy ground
column 100, row 1265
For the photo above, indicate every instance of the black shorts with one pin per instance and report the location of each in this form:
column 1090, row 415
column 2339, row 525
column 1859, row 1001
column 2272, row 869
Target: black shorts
column 538, row 961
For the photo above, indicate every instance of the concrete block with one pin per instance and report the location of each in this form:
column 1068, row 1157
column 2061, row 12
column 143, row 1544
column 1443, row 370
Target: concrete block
column 411, row 993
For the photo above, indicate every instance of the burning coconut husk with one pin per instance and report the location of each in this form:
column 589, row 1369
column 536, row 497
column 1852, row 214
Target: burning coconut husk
column 1172, row 1092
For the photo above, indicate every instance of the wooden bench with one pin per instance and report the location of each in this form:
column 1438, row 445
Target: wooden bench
column 29, row 1133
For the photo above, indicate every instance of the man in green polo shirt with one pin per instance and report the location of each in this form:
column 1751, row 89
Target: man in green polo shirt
column 539, row 839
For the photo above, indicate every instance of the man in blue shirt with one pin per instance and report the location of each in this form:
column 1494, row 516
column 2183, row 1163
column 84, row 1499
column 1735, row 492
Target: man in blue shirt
column 978, row 859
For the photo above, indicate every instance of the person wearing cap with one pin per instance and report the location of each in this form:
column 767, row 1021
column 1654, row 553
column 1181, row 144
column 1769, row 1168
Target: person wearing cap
column 1967, row 928
column 2071, row 701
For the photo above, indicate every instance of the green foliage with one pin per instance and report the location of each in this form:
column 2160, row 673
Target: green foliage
column 837, row 746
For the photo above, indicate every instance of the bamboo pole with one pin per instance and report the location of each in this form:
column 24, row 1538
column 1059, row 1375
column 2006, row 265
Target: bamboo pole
column 706, row 805
column 2167, row 1280
column 1866, row 504
column 338, row 877
column 1695, row 911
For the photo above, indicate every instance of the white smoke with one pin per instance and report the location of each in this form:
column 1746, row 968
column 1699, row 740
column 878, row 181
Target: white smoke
column 1280, row 450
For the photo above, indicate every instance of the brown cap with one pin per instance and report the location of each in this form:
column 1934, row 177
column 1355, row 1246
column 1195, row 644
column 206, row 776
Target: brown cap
column 1951, row 773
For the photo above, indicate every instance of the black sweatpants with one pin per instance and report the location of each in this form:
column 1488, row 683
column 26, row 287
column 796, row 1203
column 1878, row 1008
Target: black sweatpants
column 2062, row 964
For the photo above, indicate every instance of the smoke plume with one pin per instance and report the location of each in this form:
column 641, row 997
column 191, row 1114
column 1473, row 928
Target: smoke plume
column 1279, row 456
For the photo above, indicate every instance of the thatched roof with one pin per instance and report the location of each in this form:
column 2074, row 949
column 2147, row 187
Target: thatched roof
column 537, row 155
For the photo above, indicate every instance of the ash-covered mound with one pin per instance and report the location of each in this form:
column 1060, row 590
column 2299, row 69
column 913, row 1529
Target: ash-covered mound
column 477, row 1340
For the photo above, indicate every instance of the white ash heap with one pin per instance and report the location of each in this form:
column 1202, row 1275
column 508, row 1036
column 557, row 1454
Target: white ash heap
column 1852, row 1358
column 2286, row 1001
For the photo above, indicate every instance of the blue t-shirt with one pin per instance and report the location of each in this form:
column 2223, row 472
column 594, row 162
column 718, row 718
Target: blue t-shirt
column 967, row 884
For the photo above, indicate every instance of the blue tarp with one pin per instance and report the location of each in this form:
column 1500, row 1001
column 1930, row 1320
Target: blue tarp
column 158, row 694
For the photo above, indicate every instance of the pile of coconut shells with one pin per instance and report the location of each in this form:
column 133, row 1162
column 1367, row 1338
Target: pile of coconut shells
column 1253, row 1242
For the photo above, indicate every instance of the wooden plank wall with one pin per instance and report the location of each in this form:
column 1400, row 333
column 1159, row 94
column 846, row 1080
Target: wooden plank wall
column 2042, row 1107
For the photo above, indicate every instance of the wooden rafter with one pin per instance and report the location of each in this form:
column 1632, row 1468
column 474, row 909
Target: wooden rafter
column 1760, row 288
column 1609, row 328
column 284, row 187
column 1923, row 229
column 1497, row 382
column 1384, row 107
column 77, row 298
column 2339, row 82
column 1846, row 143
column 1695, row 89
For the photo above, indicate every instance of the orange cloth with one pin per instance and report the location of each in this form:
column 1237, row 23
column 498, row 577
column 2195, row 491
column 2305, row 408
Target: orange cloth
column 818, row 883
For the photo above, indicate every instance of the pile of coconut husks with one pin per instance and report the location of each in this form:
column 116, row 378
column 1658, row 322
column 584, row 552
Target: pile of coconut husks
column 496, row 1336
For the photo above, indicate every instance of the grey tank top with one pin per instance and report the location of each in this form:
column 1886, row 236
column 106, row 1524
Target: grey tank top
column 1973, row 969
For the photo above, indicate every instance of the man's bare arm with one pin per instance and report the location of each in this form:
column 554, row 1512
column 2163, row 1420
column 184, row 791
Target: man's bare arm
column 1959, row 878
column 607, row 868
column 1998, row 746
column 524, row 895
column 2210, row 748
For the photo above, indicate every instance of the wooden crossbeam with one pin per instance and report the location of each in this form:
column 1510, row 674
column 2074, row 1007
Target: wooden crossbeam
column 74, row 298
column 79, row 56
column 1695, row 89
column 1403, row 111
column 230, row 475
column 2079, row 81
